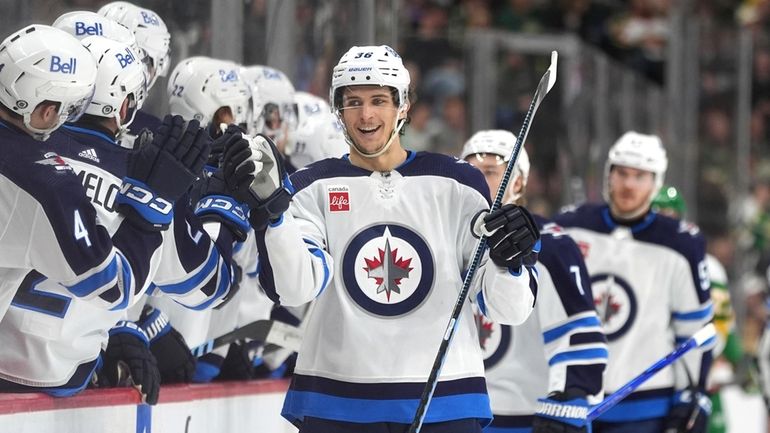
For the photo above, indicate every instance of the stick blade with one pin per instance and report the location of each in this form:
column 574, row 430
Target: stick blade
column 552, row 70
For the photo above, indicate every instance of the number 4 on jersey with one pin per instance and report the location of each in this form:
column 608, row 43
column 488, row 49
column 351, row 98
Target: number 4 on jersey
column 80, row 229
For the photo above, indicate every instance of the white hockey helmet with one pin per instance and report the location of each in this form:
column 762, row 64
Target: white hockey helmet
column 312, row 114
column 151, row 34
column 319, row 135
column 640, row 151
column 82, row 24
column 199, row 86
column 40, row 63
column 499, row 143
column 119, row 76
column 273, row 111
column 371, row 65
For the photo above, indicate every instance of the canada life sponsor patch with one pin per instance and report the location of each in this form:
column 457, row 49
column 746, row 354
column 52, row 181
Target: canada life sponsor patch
column 339, row 198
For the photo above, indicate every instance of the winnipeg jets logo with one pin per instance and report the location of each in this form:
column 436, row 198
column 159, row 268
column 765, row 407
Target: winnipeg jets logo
column 485, row 330
column 387, row 269
column 607, row 306
column 53, row 159
column 494, row 339
column 615, row 304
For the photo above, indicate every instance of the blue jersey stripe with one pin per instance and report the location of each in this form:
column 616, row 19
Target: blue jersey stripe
column 318, row 253
column 97, row 280
column 560, row 331
column 481, row 303
column 195, row 280
column 299, row 404
column 224, row 284
column 126, row 289
column 599, row 354
column 703, row 313
column 638, row 410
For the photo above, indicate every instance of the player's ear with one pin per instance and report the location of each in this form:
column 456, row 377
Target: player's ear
column 124, row 110
column 49, row 110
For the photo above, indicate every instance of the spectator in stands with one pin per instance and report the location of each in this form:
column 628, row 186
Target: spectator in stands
column 519, row 16
column 641, row 33
column 454, row 129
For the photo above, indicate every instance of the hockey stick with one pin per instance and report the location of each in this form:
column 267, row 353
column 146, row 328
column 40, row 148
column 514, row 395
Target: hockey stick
column 267, row 331
column 701, row 338
column 545, row 85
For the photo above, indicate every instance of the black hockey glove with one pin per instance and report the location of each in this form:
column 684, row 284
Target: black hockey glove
column 511, row 234
column 160, row 170
column 231, row 134
column 561, row 412
column 176, row 363
column 690, row 412
column 129, row 362
column 261, row 181
column 238, row 364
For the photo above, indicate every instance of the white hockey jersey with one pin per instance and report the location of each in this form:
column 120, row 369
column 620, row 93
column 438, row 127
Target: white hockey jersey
column 560, row 346
column 651, row 291
column 59, row 348
column 384, row 253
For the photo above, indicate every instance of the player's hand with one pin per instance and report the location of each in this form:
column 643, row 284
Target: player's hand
column 511, row 232
column 161, row 169
column 690, row 412
column 254, row 172
column 129, row 362
column 550, row 416
column 176, row 364
column 231, row 134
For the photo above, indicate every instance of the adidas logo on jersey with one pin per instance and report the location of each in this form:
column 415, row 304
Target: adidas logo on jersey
column 89, row 154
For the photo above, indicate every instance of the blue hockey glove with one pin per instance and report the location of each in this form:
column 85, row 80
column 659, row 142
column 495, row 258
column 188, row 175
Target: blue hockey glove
column 176, row 364
column 562, row 412
column 511, row 234
column 160, row 170
column 689, row 413
column 217, row 203
column 129, row 362
column 268, row 192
